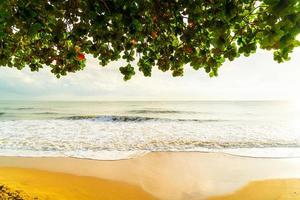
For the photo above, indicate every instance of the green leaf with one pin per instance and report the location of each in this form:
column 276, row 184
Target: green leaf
column 199, row 33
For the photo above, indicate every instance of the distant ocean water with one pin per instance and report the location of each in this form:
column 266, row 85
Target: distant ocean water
column 120, row 130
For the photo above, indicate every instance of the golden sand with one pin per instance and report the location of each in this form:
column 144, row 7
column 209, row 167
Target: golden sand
column 29, row 184
column 266, row 190
column 164, row 175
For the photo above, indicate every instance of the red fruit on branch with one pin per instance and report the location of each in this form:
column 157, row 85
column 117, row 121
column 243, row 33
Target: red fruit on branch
column 80, row 56
column 191, row 24
column 133, row 42
column 154, row 34
column 154, row 18
column 188, row 49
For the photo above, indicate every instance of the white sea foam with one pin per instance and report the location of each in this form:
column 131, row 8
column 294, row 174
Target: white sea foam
column 110, row 131
column 96, row 139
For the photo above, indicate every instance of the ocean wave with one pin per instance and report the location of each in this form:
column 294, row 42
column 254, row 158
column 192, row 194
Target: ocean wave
column 24, row 108
column 116, row 118
column 93, row 137
column 161, row 112
column 47, row 113
column 109, row 118
column 194, row 144
column 2, row 113
column 17, row 108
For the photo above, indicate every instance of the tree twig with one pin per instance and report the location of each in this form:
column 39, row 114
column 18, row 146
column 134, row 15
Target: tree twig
column 105, row 4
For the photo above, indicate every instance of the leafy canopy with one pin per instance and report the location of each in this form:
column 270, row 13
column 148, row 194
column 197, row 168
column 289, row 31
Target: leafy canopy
column 158, row 33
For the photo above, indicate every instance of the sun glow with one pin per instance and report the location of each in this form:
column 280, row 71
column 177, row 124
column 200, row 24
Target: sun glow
column 295, row 104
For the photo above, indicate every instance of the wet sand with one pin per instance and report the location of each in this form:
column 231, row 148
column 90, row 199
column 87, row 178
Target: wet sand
column 169, row 176
column 282, row 189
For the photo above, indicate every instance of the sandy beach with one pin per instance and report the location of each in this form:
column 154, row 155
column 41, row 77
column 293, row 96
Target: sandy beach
column 165, row 176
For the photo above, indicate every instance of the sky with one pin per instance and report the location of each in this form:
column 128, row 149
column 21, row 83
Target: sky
column 257, row 77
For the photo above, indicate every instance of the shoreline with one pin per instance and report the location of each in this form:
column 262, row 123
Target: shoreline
column 183, row 151
column 170, row 175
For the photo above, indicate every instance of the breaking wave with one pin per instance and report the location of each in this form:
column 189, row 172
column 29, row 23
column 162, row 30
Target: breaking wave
column 102, row 137
column 47, row 113
column 162, row 112
column 120, row 130
column 24, row 108
column 116, row 118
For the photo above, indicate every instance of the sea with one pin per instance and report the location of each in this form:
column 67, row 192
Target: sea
column 113, row 130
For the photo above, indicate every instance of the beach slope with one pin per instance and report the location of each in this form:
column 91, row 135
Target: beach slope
column 161, row 175
column 281, row 189
column 29, row 184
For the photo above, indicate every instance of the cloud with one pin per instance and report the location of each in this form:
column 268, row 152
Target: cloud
column 256, row 77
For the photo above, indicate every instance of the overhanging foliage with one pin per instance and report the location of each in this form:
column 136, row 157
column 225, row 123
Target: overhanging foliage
column 159, row 33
